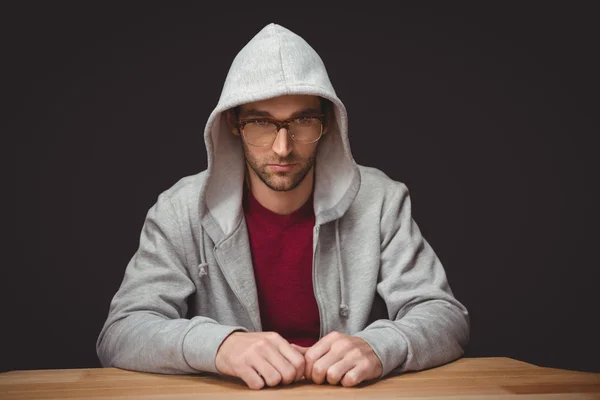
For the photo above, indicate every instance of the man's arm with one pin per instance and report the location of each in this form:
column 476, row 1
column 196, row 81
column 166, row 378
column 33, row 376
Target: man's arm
column 427, row 326
column 146, row 329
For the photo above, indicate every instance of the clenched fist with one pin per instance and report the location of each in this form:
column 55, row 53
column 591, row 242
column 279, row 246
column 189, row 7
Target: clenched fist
column 260, row 358
column 339, row 358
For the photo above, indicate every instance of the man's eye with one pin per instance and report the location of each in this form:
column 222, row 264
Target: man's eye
column 304, row 121
column 261, row 122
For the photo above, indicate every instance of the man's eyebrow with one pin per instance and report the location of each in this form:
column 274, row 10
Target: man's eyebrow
column 259, row 113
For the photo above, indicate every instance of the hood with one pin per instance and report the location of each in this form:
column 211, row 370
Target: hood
column 273, row 63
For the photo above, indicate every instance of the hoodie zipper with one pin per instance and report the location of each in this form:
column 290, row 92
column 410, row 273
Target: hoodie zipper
column 314, row 279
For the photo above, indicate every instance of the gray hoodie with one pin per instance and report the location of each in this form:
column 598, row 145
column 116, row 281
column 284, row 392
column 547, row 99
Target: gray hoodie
column 191, row 282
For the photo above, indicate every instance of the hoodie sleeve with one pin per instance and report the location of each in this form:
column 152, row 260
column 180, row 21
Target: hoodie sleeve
column 427, row 326
column 146, row 329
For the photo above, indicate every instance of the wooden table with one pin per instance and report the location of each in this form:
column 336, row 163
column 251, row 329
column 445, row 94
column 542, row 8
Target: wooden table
column 466, row 378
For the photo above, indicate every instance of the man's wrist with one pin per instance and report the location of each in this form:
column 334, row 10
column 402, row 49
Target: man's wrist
column 388, row 345
column 201, row 343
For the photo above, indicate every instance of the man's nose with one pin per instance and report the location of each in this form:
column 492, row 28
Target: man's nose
column 283, row 143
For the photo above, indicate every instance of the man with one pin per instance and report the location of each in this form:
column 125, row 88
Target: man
column 284, row 260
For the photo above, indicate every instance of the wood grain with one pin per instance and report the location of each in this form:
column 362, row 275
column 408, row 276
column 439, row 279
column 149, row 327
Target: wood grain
column 466, row 378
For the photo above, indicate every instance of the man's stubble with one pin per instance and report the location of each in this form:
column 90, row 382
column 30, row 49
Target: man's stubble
column 260, row 169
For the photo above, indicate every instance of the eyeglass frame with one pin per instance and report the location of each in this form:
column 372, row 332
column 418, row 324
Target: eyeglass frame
column 279, row 124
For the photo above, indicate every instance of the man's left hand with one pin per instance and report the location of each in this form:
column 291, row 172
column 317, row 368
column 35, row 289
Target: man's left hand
column 339, row 358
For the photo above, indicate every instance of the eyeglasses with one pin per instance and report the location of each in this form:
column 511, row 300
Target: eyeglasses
column 262, row 132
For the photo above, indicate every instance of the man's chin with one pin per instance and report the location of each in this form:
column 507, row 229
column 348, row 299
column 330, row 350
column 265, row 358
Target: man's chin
column 282, row 186
column 281, row 182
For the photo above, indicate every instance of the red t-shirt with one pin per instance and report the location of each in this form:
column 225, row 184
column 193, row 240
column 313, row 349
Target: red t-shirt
column 282, row 254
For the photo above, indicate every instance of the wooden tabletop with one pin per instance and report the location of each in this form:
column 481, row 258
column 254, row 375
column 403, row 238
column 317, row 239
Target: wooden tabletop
column 470, row 378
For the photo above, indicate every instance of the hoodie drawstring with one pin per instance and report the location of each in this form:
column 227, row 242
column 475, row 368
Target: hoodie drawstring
column 203, row 266
column 344, row 310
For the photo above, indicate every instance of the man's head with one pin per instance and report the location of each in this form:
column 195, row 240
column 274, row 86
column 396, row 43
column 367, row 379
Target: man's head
column 284, row 160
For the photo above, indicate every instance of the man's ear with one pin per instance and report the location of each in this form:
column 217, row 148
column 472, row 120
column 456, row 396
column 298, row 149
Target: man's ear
column 232, row 122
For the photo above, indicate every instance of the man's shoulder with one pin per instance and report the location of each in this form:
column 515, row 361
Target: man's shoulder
column 185, row 192
column 379, row 194
column 374, row 181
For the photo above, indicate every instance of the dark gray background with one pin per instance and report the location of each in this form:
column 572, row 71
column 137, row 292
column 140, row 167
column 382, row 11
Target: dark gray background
column 487, row 112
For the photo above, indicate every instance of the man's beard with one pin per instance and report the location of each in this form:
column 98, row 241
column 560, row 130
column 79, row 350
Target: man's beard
column 270, row 178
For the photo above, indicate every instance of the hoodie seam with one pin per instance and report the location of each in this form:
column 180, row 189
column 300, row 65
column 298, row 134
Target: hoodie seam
column 178, row 222
column 287, row 85
column 281, row 62
column 332, row 213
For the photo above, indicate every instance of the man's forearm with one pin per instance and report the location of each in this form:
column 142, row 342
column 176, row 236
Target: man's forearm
column 144, row 341
column 430, row 334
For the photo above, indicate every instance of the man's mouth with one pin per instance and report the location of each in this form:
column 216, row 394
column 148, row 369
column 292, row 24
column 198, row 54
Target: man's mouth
column 281, row 167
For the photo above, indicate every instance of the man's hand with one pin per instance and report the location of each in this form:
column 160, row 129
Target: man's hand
column 260, row 358
column 339, row 358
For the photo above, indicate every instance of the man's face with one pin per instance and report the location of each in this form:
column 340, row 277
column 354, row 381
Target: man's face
column 283, row 165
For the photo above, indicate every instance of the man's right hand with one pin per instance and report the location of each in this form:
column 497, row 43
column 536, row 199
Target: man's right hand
column 260, row 358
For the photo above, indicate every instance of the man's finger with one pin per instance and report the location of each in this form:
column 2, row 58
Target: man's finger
column 313, row 354
column 271, row 376
column 295, row 356
column 286, row 369
column 322, row 365
column 338, row 370
column 251, row 378
column 318, row 350
column 353, row 377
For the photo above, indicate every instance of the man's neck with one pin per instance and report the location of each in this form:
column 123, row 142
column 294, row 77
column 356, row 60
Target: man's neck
column 283, row 203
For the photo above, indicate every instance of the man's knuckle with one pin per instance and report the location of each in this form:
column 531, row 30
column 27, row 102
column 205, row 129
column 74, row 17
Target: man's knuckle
column 244, row 359
column 298, row 363
column 310, row 358
column 253, row 381
column 319, row 370
column 333, row 376
column 273, row 379
column 256, row 384
column 260, row 344
column 355, row 352
column 345, row 345
column 288, row 375
column 335, row 335
column 350, row 379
